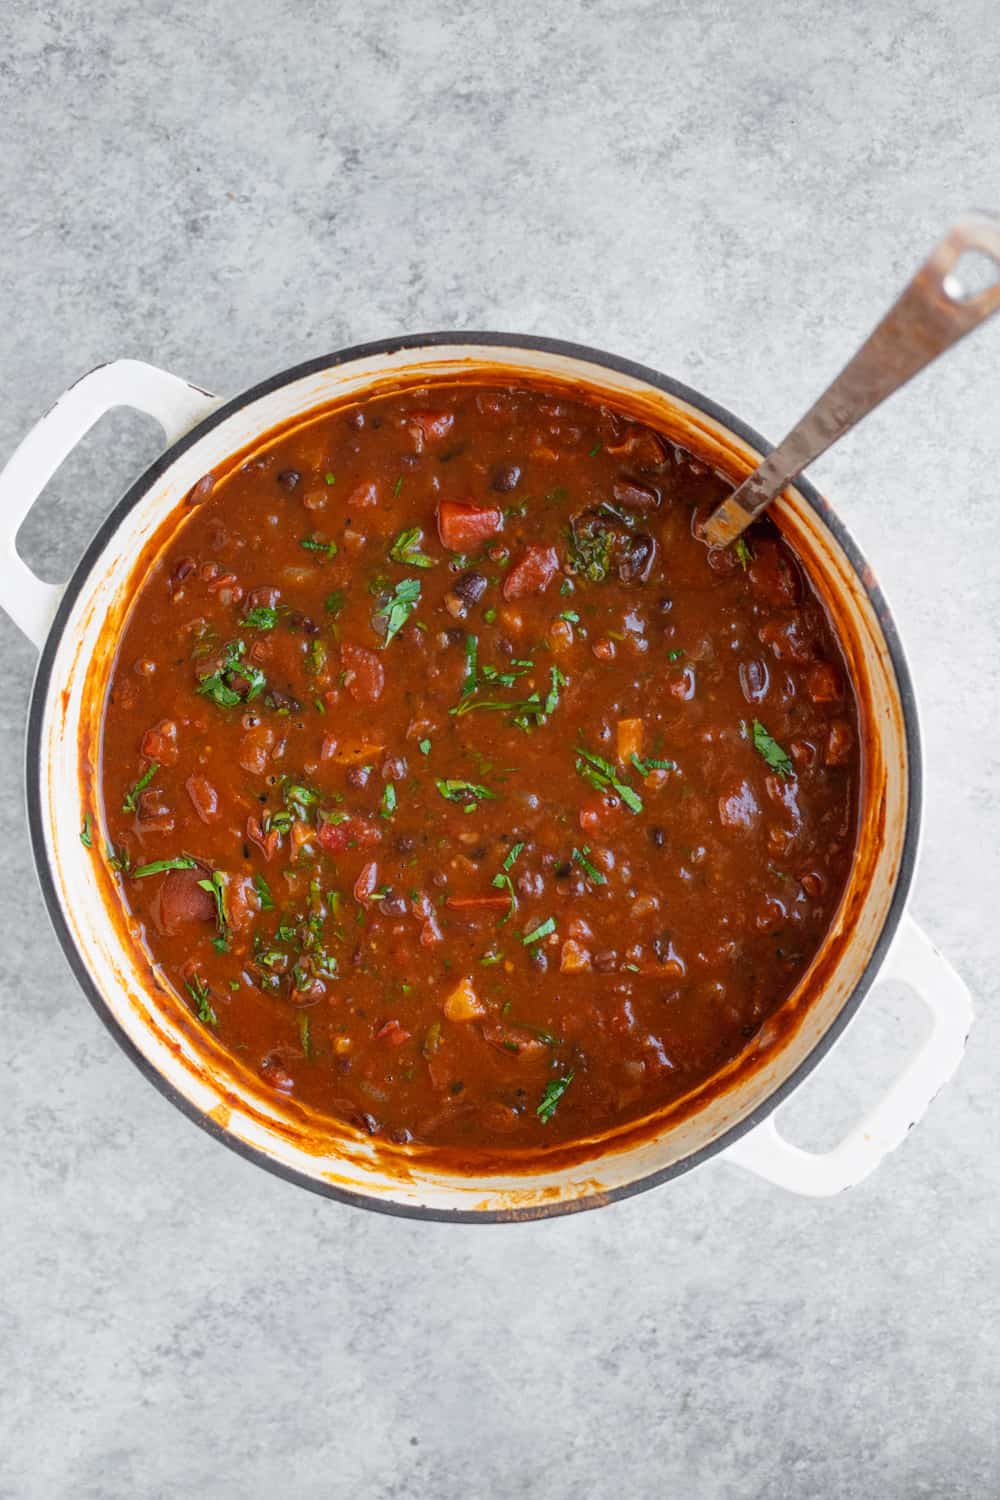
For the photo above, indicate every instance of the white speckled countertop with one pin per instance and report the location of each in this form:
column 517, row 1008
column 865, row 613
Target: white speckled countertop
column 729, row 192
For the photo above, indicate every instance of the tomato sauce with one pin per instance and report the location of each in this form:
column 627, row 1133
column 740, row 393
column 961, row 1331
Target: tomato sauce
column 458, row 788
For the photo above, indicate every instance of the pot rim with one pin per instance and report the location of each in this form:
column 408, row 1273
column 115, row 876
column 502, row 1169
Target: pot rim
column 512, row 342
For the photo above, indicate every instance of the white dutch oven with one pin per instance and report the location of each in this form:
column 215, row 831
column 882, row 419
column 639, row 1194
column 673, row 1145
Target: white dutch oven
column 871, row 937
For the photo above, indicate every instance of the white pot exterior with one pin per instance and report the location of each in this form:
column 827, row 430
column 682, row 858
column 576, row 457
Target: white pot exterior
column 75, row 660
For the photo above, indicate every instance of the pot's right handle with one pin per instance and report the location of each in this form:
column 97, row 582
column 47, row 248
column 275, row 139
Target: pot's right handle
column 173, row 402
column 915, row 962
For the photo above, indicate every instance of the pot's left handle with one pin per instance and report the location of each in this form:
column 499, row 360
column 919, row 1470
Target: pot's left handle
column 173, row 402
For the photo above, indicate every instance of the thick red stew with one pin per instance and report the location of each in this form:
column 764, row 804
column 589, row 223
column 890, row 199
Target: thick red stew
column 460, row 791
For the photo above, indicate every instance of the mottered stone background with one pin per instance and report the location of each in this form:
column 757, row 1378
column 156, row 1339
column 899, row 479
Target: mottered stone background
column 732, row 193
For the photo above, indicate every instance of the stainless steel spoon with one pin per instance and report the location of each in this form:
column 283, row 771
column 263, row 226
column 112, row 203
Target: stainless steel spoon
column 932, row 313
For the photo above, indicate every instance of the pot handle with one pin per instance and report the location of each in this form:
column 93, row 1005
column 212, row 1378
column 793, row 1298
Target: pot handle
column 173, row 402
column 914, row 961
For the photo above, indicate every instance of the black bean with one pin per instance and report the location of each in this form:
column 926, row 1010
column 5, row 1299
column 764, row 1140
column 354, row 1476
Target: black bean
column 470, row 587
column 505, row 478
column 658, row 836
column 636, row 558
column 357, row 776
column 605, row 961
column 394, row 906
column 289, row 478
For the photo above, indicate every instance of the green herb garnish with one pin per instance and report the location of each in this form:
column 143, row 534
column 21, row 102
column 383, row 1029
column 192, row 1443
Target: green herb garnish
column 651, row 764
column 330, row 478
column 216, row 888
column 263, row 890
column 779, row 760
column 218, row 685
column 502, row 881
column 398, row 609
column 557, row 681
column 602, row 775
column 743, row 553
column 543, row 930
column 591, row 871
column 466, row 792
column 406, row 550
column 424, row 746
column 314, row 544
column 199, row 992
column 315, row 657
column 397, row 486
column 159, row 866
column 304, row 1036
column 388, row 800
column 261, row 617
column 130, row 803
column 554, row 1091
column 86, row 837
column 335, row 601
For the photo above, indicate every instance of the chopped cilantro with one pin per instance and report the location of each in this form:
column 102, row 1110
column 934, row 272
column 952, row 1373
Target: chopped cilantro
column 261, row 617
column 570, row 615
column 199, row 992
column 743, row 553
column 777, row 758
column 591, row 871
column 489, row 615
column 424, row 746
column 601, row 775
column 543, row 930
column 335, row 601
column 398, row 608
column 388, row 800
column 465, row 792
column 652, row 764
column 330, row 478
column 86, row 838
column 216, row 888
column 554, row 1091
column 159, row 866
column 552, row 696
column 488, row 959
column 595, row 450
column 398, row 485
column 130, row 802
column 315, row 657
column 502, row 881
column 316, row 544
column 263, row 890
column 674, row 655
column 406, row 550
column 218, row 685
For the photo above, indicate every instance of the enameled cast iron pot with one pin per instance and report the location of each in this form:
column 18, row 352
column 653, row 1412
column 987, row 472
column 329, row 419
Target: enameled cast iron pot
column 75, row 628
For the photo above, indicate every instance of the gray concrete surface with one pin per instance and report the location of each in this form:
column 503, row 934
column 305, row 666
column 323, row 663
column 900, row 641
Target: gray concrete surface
column 729, row 192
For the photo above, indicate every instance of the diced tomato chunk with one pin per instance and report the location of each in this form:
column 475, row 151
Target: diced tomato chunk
column 532, row 573
column 204, row 798
column 180, row 902
column 364, row 674
column 393, row 1033
column 463, row 528
column 336, row 837
column 428, row 425
column 362, row 497
column 160, row 743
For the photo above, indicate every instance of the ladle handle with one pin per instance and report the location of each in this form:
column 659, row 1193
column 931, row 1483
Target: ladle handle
column 932, row 313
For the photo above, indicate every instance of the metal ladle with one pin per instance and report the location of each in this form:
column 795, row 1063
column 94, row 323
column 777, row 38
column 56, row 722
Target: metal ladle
column 932, row 313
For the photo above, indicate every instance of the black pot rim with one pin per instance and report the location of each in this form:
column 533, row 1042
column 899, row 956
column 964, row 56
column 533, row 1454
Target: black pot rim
column 511, row 342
